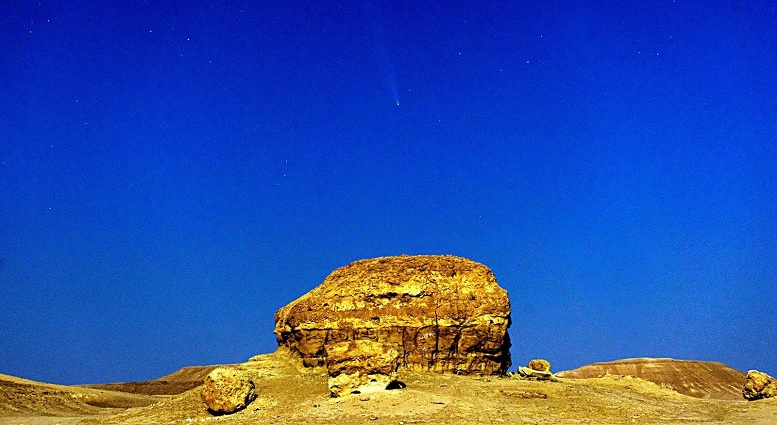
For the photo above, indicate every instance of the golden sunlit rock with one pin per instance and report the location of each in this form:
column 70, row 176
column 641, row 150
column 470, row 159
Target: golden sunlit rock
column 227, row 390
column 440, row 313
column 759, row 385
column 540, row 365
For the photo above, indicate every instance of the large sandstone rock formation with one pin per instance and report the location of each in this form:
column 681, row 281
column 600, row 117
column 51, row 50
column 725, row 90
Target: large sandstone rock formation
column 440, row 313
column 227, row 390
column 699, row 379
column 759, row 385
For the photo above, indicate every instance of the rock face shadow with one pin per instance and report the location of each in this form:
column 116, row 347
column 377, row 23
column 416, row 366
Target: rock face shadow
column 396, row 385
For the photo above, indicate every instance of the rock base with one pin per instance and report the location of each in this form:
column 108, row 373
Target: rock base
column 362, row 366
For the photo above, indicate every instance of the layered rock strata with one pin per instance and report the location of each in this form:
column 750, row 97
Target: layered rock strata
column 441, row 313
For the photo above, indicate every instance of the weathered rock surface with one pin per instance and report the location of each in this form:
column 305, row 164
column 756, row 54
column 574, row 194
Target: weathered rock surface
column 759, row 385
column 538, row 369
column 227, row 390
column 540, row 365
column 440, row 313
column 360, row 366
column 710, row 380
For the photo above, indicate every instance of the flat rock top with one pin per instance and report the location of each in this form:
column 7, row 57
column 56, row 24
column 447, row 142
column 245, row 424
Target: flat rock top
column 458, row 288
column 709, row 380
column 403, row 268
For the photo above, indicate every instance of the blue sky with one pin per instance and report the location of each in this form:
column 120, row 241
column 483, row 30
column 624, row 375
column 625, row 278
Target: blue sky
column 172, row 173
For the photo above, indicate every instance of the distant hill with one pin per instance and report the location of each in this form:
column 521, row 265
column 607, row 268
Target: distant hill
column 709, row 380
column 23, row 397
column 177, row 382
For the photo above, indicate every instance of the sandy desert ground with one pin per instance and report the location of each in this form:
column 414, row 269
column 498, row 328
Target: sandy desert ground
column 287, row 394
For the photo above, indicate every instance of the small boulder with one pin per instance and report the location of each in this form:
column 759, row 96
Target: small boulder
column 360, row 366
column 227, row 390
column 538, row 369
column 540, row 365
column 759, row 385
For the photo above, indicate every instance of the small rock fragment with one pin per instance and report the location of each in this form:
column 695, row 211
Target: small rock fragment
column 522, row 394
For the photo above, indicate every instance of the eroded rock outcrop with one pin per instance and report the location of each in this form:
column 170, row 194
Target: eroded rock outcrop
column 360, row 366
column 227, row 390
column 759, row 385
column 440, row 313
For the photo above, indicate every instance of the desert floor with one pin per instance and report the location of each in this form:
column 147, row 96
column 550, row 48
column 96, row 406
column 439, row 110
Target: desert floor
column 287, row 395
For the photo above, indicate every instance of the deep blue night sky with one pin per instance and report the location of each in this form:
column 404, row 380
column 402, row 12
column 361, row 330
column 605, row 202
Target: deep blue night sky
column 172, row 173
